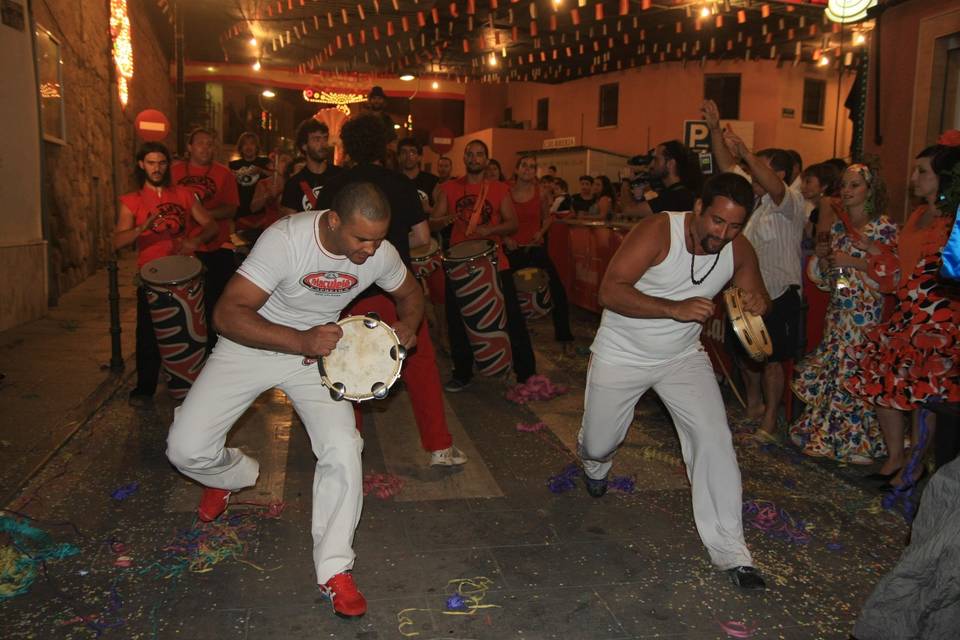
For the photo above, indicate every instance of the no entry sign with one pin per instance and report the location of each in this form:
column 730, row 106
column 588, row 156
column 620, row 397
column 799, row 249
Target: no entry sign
column 441, row 140
column 151, row 125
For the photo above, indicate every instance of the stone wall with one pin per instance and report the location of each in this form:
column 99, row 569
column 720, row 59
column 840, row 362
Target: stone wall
column 79, row 176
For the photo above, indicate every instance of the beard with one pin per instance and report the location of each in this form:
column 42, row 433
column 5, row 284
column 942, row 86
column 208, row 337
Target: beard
column 158, row 182
column 317, row 156
column 705, row 244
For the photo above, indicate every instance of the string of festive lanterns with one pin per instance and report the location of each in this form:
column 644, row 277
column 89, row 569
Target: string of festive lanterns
column 397, row 36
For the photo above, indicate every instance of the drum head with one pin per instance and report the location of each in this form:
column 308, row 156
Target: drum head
column 425, row 251
column 749, row 327
column 366, row 361
column 530, row 279
column 171, row 270
column 469, row 249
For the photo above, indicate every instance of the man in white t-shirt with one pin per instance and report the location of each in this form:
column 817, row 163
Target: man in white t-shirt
column 276, row 316
column 657, row 292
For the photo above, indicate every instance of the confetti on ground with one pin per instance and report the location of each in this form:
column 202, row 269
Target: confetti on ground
column 466, row 599
column 565, row 480
column 532, row 427
column 31, row 548
column 535, row 388
column 775, row 522
column 124, row 492
column 737, row 629
column 624, row 484
column 382, row 485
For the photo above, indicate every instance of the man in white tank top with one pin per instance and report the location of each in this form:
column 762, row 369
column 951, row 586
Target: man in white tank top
column 276, row 317
column 657, row 293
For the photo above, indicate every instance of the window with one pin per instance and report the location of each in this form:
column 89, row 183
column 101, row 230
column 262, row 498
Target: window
column 609, row 102
column 49, row 70
column 543, row 114
column 814, row 98
column 724, row 89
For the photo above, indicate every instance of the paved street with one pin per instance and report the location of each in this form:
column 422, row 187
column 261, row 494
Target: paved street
column 513, row 531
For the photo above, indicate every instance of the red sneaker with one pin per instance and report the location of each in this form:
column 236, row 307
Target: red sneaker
column 347, row 600
column 212, row 504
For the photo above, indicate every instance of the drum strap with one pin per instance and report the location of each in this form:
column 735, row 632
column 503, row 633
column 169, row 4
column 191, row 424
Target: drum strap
column 308, row 191
column 477, row 209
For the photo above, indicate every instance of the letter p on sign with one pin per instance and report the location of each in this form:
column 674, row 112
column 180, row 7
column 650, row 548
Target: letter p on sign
column 696, row 134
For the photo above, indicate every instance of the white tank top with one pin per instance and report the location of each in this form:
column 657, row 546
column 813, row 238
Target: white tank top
column 649, row 341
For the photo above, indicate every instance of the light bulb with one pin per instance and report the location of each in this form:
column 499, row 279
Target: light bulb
column 267, row 93
column 435, row 85
column 253, row 42
column 256, row 66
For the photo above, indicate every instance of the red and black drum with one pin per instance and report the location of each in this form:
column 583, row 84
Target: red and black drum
column 533, row 292
column 174, row 288
column 425, row 260
column 471, row 267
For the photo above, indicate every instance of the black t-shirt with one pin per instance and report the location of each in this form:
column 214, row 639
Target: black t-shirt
column 579, row 204
column 676, row 197
column 405, row 208
column 425, row 184
column 248, row 173
column 304, row 182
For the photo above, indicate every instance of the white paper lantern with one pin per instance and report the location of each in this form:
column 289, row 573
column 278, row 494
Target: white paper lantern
column 847, row 11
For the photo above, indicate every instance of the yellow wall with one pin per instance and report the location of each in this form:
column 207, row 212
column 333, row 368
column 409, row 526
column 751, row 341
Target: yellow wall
column 655, row 100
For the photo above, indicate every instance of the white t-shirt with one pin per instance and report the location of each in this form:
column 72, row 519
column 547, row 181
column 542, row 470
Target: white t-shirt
column 308, row 285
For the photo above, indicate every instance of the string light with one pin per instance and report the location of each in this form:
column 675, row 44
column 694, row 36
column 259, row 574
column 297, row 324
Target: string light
column 256, row 66
column 338, row 99
column 705, row 12
column 122, row 47
column 435, row 85
column 859, row 39
column 824, row 61
column 492, row 60
column 253, row 42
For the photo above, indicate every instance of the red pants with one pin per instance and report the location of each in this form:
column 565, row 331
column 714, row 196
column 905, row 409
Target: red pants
column 419, row 374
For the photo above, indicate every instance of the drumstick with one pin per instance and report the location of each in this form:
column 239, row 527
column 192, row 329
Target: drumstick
column 726, row 374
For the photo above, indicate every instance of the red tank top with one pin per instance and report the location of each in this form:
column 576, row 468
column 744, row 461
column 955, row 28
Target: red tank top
column 528, row 218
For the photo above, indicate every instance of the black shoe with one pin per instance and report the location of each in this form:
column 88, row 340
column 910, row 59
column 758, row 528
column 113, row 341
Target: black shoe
column 456, row 386
column 746, row 578
column 139, row 399
column 596, row 488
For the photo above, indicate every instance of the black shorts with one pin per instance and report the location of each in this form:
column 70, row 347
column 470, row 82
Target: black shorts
column 783, row 326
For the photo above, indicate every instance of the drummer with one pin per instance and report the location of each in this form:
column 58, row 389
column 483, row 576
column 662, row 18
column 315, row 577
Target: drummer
column 657, row 293
column 494, row 218
column 155, row 218
column 525, row 247
column 276, row 316
column 410, row 153
column 365, row 142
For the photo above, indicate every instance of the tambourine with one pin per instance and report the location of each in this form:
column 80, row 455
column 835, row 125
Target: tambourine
column 366, row 361
column 748, row 326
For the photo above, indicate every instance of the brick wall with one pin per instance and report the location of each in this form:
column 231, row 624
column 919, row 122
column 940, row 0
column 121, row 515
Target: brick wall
column 79, row 176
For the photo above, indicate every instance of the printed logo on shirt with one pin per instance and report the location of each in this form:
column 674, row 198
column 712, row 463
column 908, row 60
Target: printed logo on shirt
column 248, row 176
column 466, row 205
column 203, row 186
column 329, row 282
column 305, row 201
column 171, row 218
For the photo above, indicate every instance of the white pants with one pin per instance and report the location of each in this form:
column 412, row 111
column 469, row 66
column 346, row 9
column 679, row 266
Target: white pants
column 689, row 388
column 231, row 380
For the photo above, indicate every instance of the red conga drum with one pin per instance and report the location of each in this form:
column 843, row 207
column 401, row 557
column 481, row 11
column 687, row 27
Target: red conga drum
column 174, row 289
column 471, row 267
